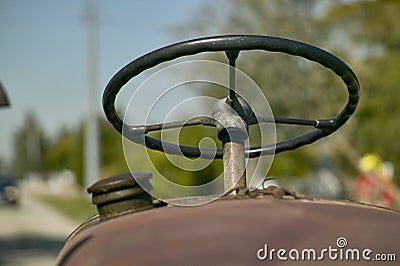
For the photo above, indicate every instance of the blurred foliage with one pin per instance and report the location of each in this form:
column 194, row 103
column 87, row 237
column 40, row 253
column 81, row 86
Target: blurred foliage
column 363, row 33
column 112, row 156
column 30, row 143
column 65, row 151
column 175, row 172
column 372, row 29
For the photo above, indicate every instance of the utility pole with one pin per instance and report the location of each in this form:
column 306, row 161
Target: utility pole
column 91, row 145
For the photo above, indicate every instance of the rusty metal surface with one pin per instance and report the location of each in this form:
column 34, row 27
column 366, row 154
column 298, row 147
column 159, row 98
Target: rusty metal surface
column 117, row 182
column 234, row 165
column 231, row 231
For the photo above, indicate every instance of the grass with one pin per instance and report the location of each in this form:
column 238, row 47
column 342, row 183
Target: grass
column 77, row 207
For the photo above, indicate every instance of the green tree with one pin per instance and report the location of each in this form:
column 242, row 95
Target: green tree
column 364, row 33
column 30, row 144
column 65, row 152
column 373, row 34
column 112, row 155
column 190, row 136
column 293, row 86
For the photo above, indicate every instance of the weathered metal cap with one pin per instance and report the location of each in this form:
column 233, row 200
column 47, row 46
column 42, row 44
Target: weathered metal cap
column 121, row 194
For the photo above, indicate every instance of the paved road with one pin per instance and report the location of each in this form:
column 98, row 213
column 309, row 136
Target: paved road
column 32, row 233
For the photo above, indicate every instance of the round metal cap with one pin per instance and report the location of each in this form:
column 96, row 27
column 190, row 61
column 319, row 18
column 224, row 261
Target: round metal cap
column 121, row 194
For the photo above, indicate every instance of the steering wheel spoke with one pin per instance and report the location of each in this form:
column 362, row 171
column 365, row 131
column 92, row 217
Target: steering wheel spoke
column 286, row 120
column 199, row 120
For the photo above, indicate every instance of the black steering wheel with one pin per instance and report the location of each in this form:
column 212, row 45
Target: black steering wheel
column 232, row 45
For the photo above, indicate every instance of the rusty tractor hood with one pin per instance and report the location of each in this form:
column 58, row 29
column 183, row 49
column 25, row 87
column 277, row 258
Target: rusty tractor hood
column 235, row 232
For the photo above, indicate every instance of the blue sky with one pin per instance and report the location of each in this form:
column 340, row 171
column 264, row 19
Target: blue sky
column 43, row 54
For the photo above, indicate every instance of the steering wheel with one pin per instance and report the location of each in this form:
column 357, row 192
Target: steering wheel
column 232, row 45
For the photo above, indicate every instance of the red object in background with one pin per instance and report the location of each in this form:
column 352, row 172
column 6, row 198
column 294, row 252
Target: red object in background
column 374, row 189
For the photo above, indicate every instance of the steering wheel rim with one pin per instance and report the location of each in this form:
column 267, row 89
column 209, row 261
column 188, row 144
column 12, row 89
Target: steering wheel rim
column 323, row 127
